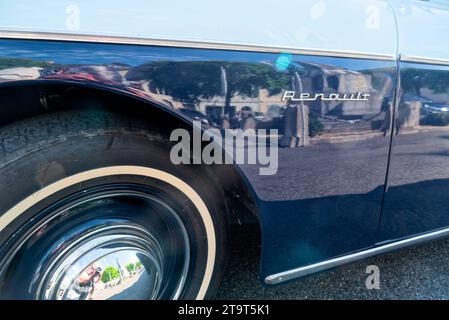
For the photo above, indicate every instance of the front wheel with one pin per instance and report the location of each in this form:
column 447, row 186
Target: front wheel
column 92, row 208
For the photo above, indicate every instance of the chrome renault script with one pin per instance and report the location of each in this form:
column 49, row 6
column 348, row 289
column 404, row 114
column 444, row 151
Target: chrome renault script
column 293, row 96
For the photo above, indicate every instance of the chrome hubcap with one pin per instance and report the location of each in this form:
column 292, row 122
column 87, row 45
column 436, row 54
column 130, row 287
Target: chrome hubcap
column 108, row 266
column 108, row 244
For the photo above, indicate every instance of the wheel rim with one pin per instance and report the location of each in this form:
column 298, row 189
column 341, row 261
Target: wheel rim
column 111, row 242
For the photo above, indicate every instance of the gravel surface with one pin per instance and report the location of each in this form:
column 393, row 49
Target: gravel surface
column 420, row 272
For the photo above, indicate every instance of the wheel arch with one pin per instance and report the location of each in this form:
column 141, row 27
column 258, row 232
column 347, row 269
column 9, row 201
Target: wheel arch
column 27, row 99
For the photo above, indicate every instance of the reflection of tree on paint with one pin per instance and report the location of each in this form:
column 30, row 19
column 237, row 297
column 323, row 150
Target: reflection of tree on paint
column 6, row 63
column 189, row 82
column 414, row 79
column 110, row 273
column 425, row 98
column 315, row 125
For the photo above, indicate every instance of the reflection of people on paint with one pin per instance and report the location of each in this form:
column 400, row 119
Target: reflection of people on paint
column 386, row 108
column 403, row 115
column 290, row 123
column 226, row 123
column 85, row 283
column 247, row 120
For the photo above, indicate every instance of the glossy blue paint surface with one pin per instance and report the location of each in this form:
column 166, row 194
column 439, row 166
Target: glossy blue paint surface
column 325, row 199
column 417, row 198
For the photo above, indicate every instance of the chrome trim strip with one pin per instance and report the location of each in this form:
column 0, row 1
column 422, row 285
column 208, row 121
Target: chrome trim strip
column 328, row 264
column 189, row 44
column 425, row 60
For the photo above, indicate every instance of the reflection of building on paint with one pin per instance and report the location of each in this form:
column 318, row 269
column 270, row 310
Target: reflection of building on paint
column 20, row 73
column 325, row 78
column 259, row 103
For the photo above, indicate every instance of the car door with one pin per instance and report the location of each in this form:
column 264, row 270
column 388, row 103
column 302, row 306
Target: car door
column 325, row 199
column 417, row 197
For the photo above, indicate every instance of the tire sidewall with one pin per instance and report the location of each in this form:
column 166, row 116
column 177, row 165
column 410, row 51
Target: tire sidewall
column 67, row 153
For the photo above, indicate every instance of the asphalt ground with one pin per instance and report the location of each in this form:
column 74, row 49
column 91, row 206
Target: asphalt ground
column 420, row 272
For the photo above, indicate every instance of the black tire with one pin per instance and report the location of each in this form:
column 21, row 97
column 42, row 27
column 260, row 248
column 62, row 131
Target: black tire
column 39, row 154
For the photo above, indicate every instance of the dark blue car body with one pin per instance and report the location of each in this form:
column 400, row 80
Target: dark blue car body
column 366, row 175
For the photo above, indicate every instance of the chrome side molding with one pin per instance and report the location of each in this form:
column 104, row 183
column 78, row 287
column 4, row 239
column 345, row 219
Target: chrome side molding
column 335, row 262
column 213, row 45
column 416, row 59
column 190, row 44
